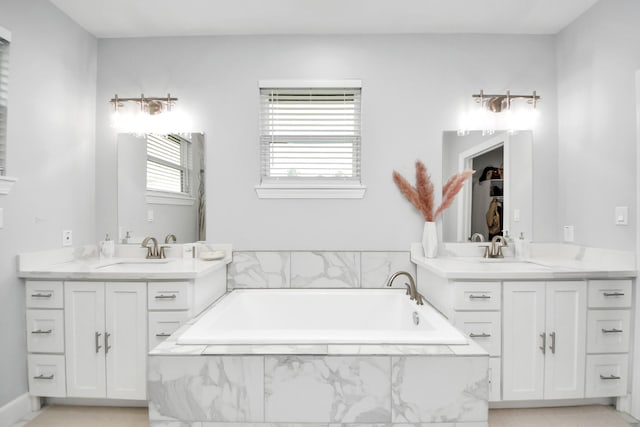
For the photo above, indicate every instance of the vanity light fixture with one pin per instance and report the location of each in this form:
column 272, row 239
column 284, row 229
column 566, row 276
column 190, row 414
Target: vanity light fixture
column 148, row 115
column 498, row 111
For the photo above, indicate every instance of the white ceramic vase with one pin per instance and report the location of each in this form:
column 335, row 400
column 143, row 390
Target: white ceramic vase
column 430, row 239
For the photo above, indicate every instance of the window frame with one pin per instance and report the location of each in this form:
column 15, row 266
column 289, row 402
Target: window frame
column 6, row 182
column 310, row 188
column 154, row 196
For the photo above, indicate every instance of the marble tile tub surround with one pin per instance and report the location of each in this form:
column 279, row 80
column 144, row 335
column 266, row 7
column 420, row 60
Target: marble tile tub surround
column 319, row 390
column 322, row 269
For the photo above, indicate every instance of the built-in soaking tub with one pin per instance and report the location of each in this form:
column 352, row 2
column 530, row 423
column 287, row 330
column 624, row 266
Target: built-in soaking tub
column 311, row 316
column 342, row 357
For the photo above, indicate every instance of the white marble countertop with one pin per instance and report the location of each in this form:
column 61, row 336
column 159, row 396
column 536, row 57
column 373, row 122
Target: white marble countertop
column 65, row 264
column 550, row 261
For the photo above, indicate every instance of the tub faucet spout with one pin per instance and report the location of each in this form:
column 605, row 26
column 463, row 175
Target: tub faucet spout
column 412, row 289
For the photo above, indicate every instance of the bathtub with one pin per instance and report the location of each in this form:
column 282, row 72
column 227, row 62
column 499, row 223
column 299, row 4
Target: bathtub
column 320, row 316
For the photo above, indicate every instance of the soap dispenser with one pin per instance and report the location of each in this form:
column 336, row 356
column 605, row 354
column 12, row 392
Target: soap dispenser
column 107, row 247
column 522, row 247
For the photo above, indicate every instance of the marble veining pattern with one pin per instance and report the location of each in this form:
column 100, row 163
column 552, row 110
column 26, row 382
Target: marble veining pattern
column 377, row 267
column 327, row 389
column 259, row 270
column 212, row 388
column 325, row 269
column 439, row 389
column 388, row 349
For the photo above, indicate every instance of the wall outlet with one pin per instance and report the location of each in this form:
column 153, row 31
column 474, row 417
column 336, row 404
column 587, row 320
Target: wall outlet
column 67, row 238
column 568, row 233
column 622, row 215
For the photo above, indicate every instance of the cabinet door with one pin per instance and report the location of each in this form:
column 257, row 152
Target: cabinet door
column 566, row 319
column 84, row 334
column 126, row 344
column 523, row 360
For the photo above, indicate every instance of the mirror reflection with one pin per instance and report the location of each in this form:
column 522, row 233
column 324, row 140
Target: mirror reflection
column 161, row 190
column 498, row 198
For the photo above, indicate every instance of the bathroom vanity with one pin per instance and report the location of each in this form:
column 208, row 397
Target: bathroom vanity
column 557, row 325
column 92, row 321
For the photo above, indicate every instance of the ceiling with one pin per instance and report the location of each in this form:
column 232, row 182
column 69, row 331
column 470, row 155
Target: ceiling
column 154, row 18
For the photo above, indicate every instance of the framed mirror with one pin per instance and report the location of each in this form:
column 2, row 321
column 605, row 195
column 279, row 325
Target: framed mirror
column 499, row 195
column 161, row 187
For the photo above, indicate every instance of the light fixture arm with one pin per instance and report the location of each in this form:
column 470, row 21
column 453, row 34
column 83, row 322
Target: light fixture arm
column 495, row 101
column 145, row 102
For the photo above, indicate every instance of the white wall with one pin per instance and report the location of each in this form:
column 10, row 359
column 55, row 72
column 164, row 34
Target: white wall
column 51, row 132
column 598, row 56
column 414, row 87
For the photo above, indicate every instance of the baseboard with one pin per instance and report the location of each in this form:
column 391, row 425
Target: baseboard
column 81, row 401
column 515, row 404
column 15, row 410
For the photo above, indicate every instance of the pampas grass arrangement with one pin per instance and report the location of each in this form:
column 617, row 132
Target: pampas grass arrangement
column 422, row 195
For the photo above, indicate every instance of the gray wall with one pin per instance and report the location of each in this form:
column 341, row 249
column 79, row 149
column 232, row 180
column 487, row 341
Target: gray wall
column 414, row 87
column 598, row 56
column 51, row 133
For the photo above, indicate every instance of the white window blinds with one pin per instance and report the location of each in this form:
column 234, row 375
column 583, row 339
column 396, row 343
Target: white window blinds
column 168, row 164
column 4, row 88
column 310, row 133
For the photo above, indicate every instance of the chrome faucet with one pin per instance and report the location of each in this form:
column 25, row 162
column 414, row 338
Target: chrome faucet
column 170, row 238
column 495, row 249
column 152, row 251
column 412, row 290
column 477, row 237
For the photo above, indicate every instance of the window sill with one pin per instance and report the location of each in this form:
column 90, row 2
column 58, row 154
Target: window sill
column 6, row 183
column 159, row 198
column 310, row 191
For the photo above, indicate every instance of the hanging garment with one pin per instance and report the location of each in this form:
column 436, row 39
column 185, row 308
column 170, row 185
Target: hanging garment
column 494, row 218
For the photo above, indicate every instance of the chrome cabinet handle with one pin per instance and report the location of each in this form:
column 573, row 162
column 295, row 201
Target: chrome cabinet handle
column 163, row 334
column 553, row 342
column 106, row 342
column 611, row 331
column 543, row 347
column 39, row 295
column 610, row 377
column 98, row 346
column 40, row 331
column 483, row 296
column 43, row 377
column 613, row 294
column 172, row 296
column 482, row 335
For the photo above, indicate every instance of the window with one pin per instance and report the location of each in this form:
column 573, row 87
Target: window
column 310, row 139
column 169, row 165
column 4, row 88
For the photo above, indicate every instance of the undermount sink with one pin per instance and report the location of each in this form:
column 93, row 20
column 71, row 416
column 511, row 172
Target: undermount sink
column 133, row 262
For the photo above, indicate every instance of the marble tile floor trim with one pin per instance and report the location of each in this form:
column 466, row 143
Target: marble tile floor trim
column 74, row 416
column 316, row 269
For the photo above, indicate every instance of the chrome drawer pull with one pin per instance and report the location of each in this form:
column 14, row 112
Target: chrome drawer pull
column 610, row 377
column 162, row 334
column 40, row 331
column 543, row 347
column 172, row 296
column 39, row 295
column 611, row 331
column 613, row 294
column 106, row 342
column 483, row 296
column 552, row 347
column 42, row 377
column 482, row 335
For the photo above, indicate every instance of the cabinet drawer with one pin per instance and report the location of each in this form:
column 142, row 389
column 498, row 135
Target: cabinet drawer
column 483, row 327
column 46, row 375
column 164, row 323
column 45, row 331
column 608, row 331
column 609, row 293
column 494, row 379
column 477, row 296
column 607, row 375
column 169, row 296
column 44, row 294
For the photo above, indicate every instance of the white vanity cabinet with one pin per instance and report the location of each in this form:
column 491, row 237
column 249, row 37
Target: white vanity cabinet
column 608, row 337
column 106, row 329
column 544, row 340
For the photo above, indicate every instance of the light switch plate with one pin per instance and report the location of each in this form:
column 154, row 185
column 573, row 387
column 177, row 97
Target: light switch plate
column 67, row 238
column 150, row 215
column 1, row 217
column 622, row 215
column 568, row 233
column 516, row 215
